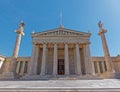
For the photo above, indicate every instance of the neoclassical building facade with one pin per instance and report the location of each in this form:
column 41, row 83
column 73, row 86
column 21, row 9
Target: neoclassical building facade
column 59, row 53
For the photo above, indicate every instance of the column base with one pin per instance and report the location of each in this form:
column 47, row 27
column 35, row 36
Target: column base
column 42, row 75
column 54, row 75
column 60, row 77
column 8, row 75
column 110, row 75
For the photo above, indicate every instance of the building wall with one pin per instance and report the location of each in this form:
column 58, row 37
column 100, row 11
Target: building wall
column 100, row 66
column 98, row 63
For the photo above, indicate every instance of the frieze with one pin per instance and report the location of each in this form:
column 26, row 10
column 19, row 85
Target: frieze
column 60, row 40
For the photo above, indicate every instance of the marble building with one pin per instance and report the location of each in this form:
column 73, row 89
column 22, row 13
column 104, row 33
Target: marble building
column 59, row 52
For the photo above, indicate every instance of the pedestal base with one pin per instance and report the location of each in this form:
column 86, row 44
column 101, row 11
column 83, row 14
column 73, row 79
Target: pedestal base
column 7, row 75
column 110, row 75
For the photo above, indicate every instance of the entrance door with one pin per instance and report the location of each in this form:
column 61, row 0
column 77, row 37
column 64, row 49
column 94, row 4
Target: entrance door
column 60, row 66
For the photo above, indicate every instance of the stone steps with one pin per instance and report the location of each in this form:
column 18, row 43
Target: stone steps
column 60, row 90
column 60, row 77
column 104, row 85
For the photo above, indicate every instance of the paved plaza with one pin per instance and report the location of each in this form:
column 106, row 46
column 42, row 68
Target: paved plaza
column 111, row 85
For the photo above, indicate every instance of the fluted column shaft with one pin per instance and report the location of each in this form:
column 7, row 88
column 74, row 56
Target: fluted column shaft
column 12, row 66
column 30, row 71
column 87, row 59
column 18, row 40
column 35, row 62
column 66, row 60
column 17, row 45
column 78, row 63
column 55, row 60
column 43, row 60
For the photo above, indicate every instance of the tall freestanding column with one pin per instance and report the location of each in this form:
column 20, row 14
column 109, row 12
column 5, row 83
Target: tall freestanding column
column 20, row 33
column 108, row 60
column 11, row 72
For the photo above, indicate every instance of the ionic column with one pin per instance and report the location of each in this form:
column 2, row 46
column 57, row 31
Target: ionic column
column 43, row 60
column 18, row 66
column 103, row 66
column 98, row 67
column 55, row 60
column 35, row 62
column 66, row 60
column 11, row 66
column 87, row 59
column 78, row 61
column 30, row 71
column 93, row 67
column 20, row 33
column 22, row 69
column 108, row 60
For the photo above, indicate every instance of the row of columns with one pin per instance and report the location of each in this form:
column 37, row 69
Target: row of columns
column 98, row 66
column 20, row 69
column 34, row 59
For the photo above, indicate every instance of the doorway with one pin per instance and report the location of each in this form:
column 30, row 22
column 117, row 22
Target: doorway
column 60, row 66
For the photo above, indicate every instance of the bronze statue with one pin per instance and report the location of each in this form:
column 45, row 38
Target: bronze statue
column 100, row 24
column 21, row 24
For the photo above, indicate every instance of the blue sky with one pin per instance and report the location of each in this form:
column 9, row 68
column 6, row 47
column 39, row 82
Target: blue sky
column 40, row 15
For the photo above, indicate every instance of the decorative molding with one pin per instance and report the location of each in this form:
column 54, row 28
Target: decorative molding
column 61, row 32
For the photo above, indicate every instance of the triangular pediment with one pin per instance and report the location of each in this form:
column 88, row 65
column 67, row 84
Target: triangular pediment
column 61, row 32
